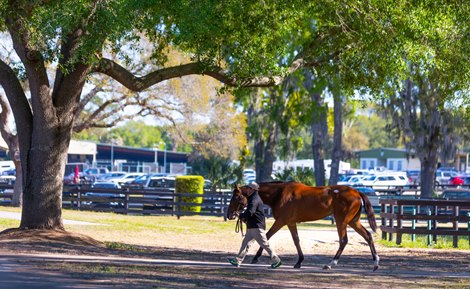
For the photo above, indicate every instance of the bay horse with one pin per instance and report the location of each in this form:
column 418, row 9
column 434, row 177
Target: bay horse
column 293, row 202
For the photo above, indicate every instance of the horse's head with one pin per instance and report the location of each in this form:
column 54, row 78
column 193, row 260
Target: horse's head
column 237, row 203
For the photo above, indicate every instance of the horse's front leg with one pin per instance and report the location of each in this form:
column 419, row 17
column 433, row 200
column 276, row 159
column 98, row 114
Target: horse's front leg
column 274, row 228
column 295, row 237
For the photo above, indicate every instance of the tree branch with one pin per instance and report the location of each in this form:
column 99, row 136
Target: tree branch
column 86, row 99
column 136, row 83
column 30, row 56
column 17, row 99
column 70, row 44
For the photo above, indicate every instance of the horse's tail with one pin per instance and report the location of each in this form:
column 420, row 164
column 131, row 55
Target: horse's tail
column 369, row 211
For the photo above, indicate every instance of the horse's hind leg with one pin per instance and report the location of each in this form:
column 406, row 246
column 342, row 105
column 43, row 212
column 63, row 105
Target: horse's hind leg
column 343, row 241
column 356, row 225
column 295, row 237
column 274, row 228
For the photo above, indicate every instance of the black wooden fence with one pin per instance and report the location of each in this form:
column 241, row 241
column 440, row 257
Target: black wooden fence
column 435, row 218
column 146, row 202
column 136, row 201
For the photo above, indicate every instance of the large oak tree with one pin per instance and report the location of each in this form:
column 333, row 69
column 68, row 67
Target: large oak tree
column 236, row 42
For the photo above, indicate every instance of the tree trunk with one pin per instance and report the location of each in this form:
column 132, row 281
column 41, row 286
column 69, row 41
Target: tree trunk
column 42, row 192
column 319, row 134
column 420, row 121
column 337, row 139
column 428, row 173
column 265, row 155
column 428, row 156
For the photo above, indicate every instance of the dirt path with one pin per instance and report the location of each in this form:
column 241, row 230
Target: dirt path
column 45, row 261
column 146, row 267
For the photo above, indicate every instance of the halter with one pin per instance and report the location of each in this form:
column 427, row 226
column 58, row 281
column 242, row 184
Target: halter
column 239, row 224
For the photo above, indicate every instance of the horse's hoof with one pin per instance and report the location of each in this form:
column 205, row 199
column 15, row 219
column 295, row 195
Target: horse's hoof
column 254, row 261
column 376, row 267
column 327, row 267
column 297, row 266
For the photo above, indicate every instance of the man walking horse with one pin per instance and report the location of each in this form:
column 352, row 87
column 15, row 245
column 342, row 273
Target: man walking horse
column 255, row 221
column 293, row 203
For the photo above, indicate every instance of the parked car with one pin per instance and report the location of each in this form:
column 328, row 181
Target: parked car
column 466, row 181
column 126, row 178
column 10, row 172
column 413, row 177
column 342, row 177
column 165, row 198
column 456, row 181
column 249, row 179
column 111, row 175
column 443, row 177
column 7, row 179
column 94, row 173
column 367, row 190
column 352, row 180
column 456, row 194
column 104, row 194
column 140, row 182
column 385, row 182
column 160, row 182
column 249, row 176
column 6, row 166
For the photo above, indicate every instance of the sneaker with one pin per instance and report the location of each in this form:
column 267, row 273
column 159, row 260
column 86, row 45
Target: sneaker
column 233, row 261
column 276, row 264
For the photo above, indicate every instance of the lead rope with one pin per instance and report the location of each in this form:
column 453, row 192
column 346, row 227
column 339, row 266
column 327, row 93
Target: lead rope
column 239, row 226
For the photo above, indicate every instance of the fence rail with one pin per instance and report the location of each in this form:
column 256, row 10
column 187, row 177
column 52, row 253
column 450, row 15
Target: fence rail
column 400, row 216
column 135, row 201
column 147, row 202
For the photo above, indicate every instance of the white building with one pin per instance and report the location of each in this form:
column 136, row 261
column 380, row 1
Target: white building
column 309, row 163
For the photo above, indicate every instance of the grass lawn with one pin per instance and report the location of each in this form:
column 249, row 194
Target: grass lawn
column 192, row 231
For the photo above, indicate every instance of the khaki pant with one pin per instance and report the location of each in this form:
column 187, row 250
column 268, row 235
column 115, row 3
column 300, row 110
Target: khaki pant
column 260, row 236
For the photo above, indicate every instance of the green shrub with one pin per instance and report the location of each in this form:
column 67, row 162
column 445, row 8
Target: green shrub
column 303, row 175
column 190, row 185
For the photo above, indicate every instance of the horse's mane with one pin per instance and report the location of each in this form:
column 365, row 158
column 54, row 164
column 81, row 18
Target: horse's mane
column 272, row 192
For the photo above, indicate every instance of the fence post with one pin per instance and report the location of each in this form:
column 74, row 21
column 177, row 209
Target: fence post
column 79, row 202
column 399, row 224
column 434, row 225
column 413, row 226
column 429, row 228
column 384, row 222
column 222, row 207
column 468, row 228
column 178, row 208
column 456, row 226
column 126, row 204
column 390, row 222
